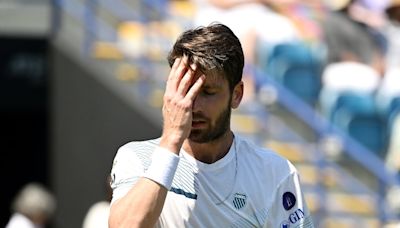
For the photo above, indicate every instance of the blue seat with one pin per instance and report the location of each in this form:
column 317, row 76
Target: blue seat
column 356, row 114
column 295, row 66
column 393, row 110
column 370, row 131
column 394, row 105
column 348, row 102
column 303, row 82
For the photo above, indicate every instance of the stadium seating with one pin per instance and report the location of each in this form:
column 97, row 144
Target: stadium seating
column 356, row 114
column 296, row 67
column 330, row 190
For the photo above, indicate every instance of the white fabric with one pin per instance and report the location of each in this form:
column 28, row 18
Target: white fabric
column 346, row 76
column 97, row 215
column 243, row 189
column 350, row 76
column 392, row 33
column 20, row 221
column 389, row 89
column 391, row 83
column 163, row 167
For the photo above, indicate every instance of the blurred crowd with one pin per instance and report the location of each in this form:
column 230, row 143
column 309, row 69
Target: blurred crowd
column 32, row 207
column 342, row 57
column 354, row 43
column 350, row 72
column 351, row 46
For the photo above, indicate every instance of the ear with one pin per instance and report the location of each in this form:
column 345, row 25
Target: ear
column 237, row 95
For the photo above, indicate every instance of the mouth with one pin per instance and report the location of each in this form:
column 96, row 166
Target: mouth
column 198, row 123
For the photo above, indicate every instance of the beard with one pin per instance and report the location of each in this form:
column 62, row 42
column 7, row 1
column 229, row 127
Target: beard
column 212, row 132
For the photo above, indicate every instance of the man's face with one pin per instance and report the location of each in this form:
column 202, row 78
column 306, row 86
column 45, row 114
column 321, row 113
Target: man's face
column 211, row 110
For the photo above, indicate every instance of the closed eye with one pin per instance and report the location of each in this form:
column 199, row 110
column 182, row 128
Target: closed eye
column 209, row 93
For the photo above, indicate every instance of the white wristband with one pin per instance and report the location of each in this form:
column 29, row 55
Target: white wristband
column 163, row 166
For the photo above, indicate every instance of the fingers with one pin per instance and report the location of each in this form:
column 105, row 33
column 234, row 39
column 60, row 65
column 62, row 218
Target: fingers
column 186, row 81
column 181, row 86
column 178, row 70
column 179, row 97
column 195, row 89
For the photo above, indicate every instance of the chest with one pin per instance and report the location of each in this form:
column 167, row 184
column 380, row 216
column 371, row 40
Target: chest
column 230, row 197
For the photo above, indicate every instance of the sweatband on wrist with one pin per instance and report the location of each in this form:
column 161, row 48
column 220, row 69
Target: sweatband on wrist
column 163, row 166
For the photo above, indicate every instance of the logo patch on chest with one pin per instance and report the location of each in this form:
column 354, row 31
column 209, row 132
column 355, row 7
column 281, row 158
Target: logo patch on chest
column 239, row 200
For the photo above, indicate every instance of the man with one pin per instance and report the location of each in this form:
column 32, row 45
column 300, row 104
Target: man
column 199, row 173
column 353, row 32
column 33, row 207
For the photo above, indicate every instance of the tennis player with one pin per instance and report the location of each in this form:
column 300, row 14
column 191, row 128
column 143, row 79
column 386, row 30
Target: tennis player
column 199, row 173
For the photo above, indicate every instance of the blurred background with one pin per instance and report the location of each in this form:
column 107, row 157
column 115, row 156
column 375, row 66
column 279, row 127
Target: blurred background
column 79, row 78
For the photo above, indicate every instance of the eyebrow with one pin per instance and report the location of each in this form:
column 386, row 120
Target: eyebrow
column 213, row 86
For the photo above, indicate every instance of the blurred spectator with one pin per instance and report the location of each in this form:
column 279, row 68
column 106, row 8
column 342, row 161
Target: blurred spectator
column 306, row 15
column 391, row 82
column 357, row 47
column 392, row 225
column 33, row 207
column 388, row 90
column 250, row 20
column 353, row 32
column 346, row 76
column 97, row 215
column 254, row 23
column 391, row 85
column 392, row 32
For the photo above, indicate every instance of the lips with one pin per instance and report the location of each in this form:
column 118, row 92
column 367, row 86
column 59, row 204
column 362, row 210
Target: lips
column 198, row 123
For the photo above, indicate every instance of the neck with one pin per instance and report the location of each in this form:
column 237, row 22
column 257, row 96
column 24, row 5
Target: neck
column 209, row 152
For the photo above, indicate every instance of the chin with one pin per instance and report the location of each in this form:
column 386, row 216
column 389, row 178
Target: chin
column 204, row 136
column 198, row 137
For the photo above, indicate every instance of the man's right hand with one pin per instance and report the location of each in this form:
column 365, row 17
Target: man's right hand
column 180, row 93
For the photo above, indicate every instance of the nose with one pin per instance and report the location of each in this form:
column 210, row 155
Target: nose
column 196, row 106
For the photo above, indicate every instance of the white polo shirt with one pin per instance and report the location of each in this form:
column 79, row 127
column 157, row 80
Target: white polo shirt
column 249, row 187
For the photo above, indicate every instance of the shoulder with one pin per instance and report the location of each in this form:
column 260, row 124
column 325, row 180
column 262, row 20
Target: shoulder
column 131, row 160
column 135, row 153
column 19, row 220
column 263, row 153
column 266, row 159
column 140, row 145
column 137, row 148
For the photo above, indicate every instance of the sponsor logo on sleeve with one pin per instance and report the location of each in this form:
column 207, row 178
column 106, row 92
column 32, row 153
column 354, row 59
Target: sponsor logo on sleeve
column 285, row 224
column 288, row 200
column 296, row 216
column 293, row 219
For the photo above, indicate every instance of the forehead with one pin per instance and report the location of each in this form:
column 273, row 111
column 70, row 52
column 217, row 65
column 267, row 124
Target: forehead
column 214, row 78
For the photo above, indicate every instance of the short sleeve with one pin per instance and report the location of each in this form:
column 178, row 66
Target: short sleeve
column 126, row 170
column 288, row 208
